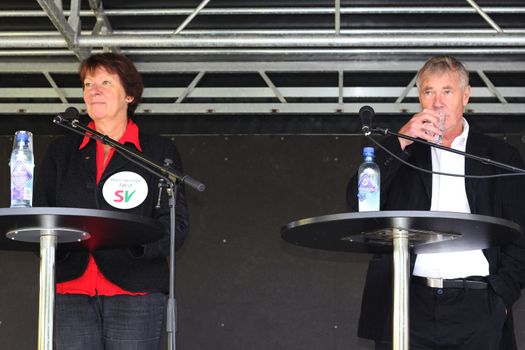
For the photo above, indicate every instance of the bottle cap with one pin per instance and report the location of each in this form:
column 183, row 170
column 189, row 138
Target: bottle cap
column 22, row 135
column 368, row 151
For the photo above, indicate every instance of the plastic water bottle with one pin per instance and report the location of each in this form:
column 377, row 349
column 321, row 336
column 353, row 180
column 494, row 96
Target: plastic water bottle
column 22, row 165
column 368, row 182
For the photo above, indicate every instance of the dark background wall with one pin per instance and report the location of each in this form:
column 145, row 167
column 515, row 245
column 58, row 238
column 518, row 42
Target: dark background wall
column 239, row 286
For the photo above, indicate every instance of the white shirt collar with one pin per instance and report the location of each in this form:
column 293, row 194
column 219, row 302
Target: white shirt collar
column 460, row 141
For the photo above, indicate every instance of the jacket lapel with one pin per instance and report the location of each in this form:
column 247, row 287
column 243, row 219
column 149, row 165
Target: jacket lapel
column 423, row 160
column 117, row 162
column 474, row 167
column 89, row 160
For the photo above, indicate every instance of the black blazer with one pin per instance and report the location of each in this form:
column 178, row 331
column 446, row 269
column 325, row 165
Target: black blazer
column 404, row 188
column 67, row 178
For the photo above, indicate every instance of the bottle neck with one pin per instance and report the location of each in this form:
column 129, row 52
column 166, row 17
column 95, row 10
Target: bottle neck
column 21, row 145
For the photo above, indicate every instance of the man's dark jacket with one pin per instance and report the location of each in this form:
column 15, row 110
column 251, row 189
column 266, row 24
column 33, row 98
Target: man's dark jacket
column 67, row 178
column 405, row 188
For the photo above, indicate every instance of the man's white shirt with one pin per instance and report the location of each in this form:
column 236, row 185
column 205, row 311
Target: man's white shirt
column 449, row 194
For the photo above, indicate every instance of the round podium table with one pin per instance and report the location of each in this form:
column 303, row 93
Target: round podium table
column 72, row 228
column 397, row 232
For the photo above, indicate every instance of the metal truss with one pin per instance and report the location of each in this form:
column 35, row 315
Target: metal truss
column 341, row 97
column 177, row 45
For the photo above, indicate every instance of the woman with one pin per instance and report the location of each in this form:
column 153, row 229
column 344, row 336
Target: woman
column 110, row 299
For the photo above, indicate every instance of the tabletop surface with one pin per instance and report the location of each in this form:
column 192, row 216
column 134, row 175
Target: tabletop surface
column 106, row 229
column 428, row 231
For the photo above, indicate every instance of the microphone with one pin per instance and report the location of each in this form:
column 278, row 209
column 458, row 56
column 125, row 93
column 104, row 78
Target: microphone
column 69, row 116
column 366, row 113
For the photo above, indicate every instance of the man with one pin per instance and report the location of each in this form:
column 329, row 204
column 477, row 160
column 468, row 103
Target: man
column 477, row 315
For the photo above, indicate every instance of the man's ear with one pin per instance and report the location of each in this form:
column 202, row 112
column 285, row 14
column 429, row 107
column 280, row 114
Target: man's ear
column 466, row 96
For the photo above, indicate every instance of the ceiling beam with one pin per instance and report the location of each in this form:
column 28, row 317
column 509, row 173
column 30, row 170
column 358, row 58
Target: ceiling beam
column 243, row 11
column 511, row 40
column 277, row 66
column 499, row 109
column 239, row 93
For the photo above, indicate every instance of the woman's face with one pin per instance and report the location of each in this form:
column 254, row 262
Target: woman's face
column 104, row 96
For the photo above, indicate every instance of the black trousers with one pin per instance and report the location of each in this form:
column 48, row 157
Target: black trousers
column 450, row 319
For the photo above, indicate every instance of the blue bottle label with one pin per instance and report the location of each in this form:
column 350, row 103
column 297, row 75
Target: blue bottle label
column 366, row 187
column 20, row 176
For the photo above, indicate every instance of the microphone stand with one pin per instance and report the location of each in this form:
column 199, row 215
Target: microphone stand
column 381, row 131
column 171, row 309
column 172, row 179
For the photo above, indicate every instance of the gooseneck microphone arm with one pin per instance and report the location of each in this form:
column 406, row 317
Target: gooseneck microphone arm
column 68, row 120
column 367, row 112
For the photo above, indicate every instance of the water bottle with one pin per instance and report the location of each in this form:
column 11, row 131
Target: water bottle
column 22, row 165
column 368, row 182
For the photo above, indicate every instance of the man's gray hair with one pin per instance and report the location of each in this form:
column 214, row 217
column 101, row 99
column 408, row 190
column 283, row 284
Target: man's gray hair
column 442, row 64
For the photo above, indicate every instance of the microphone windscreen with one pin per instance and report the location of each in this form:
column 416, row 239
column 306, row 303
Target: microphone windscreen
column 366, row 113
column 70, row 113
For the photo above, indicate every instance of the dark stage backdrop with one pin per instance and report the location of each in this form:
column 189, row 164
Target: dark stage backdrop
column 239, row 286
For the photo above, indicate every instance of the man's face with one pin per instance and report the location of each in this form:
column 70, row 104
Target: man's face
column 442, row 91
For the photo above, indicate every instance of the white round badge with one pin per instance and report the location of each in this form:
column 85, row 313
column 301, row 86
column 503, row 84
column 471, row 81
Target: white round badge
column 125, row 190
